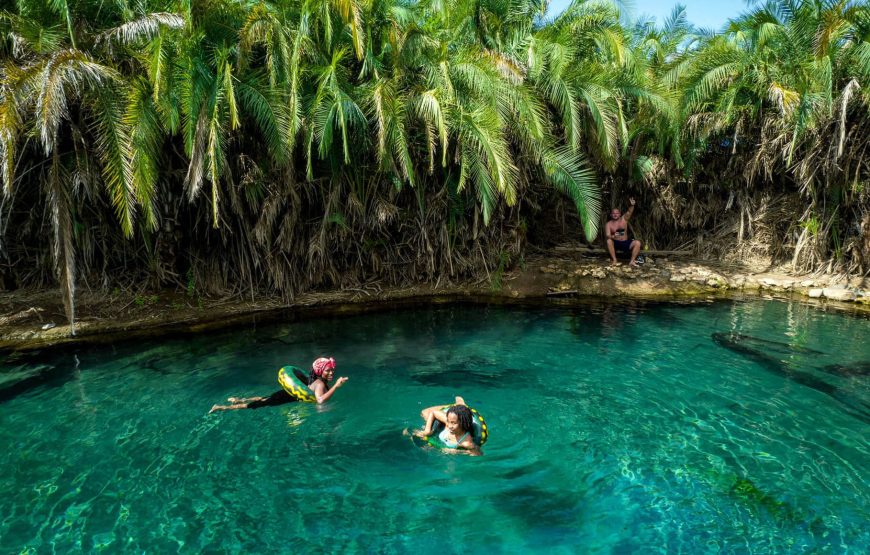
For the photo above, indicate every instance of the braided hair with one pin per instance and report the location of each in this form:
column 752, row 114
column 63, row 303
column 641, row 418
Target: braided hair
column 463, row 414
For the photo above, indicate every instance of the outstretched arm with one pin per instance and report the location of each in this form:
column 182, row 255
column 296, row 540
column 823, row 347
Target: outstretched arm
column 320, row 390
column 436, row 409
column 439, row 415
column 630, row 211
column 431, row 415
column 430, row 421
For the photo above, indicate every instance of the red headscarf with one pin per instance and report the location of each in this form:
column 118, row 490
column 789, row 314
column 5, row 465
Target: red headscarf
column 322, row 364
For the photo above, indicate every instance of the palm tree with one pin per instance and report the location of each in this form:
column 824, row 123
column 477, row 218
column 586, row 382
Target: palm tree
column 789, row 71
column 73, row 108
column 317, row 137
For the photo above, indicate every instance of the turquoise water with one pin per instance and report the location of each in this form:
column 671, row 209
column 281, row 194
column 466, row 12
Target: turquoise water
column 614, row 429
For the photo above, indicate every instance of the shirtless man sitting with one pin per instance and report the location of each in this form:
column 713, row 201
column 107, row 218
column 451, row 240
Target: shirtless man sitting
column 617, row 238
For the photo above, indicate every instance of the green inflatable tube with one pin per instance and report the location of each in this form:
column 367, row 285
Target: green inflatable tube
column 295, row 382
column 479, row 434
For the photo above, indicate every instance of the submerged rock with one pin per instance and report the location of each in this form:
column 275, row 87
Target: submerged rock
column 774, row 356
column 848, row 370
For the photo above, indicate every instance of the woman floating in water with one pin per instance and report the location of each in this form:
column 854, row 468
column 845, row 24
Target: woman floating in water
column 454, row 429
column 322, row 371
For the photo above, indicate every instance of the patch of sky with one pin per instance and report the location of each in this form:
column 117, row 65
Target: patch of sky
column 704, row 14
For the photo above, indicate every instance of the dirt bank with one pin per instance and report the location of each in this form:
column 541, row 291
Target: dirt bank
column 33, row 319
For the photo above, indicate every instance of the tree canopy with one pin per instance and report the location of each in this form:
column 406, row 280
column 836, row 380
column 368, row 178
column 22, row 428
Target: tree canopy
column 300, row 130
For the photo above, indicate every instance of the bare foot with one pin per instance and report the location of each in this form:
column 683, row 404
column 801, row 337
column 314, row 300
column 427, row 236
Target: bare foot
column 615, row 263
column 459, row 400
column 234, row 400
column 633, row 265
column 215, row 408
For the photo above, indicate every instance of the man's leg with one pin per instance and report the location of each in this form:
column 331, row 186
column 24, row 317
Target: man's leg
column 612, row 251
column 635, row 250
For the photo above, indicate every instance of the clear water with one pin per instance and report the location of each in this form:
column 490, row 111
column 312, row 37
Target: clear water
column 614, row 429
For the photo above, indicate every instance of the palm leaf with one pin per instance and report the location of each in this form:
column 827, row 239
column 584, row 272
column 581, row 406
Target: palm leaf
column 143, row 148
column 112, row 146
column 269, row 112
column 67, row 72
column 566, row 171
column 143, row 29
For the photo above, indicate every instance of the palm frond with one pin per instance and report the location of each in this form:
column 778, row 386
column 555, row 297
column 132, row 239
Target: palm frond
column 143, row 149
column 269, row 112
column 567, row 172
column 429, row 110
column 64, row 76
column 604, row 114
column 143, row 29
column 112, row 146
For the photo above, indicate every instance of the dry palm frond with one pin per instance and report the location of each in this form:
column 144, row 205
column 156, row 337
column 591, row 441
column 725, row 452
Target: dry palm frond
column 64, row 254
column 846, row 95
column 143, row 29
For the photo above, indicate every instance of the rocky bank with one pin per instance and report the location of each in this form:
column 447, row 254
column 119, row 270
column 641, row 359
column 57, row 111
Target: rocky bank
column 35, row 319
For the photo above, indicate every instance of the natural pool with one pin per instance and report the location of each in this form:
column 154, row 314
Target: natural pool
column 725, row 427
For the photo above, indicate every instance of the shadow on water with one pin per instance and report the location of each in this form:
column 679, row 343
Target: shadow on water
column 25, row 372
column 43, row 376
column 605, row 323
column 496, row 379
column 472, row 370
column 531, row 505
column 449, row 378
column 596, row 322
column 763, row 352
column 848, row 370
column 769, row 345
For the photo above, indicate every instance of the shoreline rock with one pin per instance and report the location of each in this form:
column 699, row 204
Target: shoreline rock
column 35, row 319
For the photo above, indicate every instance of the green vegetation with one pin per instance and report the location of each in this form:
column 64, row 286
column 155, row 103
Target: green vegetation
column 141, row 300
column 281, row 145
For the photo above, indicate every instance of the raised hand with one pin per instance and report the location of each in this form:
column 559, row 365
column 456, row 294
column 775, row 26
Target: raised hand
column 340, row 381
column 631, row 201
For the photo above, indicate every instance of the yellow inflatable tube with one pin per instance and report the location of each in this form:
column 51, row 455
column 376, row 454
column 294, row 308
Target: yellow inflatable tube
column 295, row 382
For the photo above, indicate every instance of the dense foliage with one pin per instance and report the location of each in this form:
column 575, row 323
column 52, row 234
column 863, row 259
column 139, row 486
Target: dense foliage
column 281, row 145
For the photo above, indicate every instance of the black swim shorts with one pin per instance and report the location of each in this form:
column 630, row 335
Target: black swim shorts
column 624, row 246
column 275, row 399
